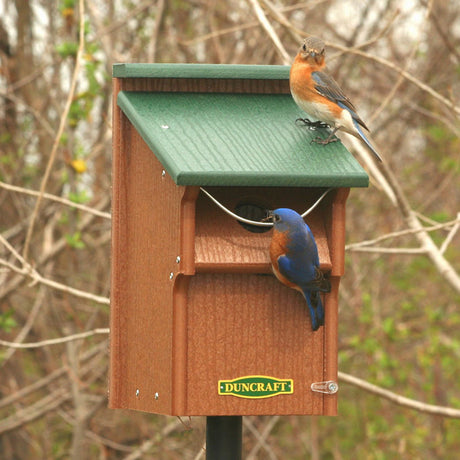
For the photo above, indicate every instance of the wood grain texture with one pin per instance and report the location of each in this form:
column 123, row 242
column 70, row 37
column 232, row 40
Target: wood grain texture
column 238, row 139
column 222, row 315
column 335, row 226
column 222, row 244
column 145, row 244
column 201, row 71
column 266, row 331
column 202, row 85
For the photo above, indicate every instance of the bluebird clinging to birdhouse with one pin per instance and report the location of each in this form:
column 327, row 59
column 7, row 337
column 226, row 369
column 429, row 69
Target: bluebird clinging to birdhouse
column 295, row 261
column 318, row 94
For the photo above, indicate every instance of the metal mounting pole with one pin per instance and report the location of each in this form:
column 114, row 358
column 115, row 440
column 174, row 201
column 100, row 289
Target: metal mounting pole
column 224, row 437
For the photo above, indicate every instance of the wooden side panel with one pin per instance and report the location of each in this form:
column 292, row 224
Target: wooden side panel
column 145, row 244
column 335, row 228
column 222, row 244
column 266, row 331
column 335, row 224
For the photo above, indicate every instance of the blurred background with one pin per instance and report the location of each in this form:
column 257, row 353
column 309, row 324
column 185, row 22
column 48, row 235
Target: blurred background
column 398, row 61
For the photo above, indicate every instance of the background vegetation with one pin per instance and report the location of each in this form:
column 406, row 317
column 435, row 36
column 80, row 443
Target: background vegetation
column 399, row 61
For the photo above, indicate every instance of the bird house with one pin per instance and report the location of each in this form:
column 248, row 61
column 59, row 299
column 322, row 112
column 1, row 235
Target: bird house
column 199, row 325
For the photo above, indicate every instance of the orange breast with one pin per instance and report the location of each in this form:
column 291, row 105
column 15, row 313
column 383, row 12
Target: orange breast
column 277, row 249
column 303, row 86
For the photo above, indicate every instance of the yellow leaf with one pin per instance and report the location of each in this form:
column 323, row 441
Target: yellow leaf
column 79, row 166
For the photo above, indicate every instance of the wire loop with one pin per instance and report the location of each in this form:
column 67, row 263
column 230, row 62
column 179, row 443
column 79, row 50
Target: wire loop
column 254, row 222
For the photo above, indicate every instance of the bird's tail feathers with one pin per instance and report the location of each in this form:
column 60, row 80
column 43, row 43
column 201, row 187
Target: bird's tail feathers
column 315, row 305
column 366, row 140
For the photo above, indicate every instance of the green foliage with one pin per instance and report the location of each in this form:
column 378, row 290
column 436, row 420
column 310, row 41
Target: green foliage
column 66, row 4
column 7, row 321
column 399, row 318
column 74, row 240
column 67, row 49
column 80, row 197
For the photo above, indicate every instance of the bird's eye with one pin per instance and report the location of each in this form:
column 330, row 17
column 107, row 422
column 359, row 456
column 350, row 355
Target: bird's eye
column 276, row 218
column 304, row 47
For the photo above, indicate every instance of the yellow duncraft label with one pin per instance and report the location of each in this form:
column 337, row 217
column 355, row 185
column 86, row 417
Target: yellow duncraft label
column 256, row 386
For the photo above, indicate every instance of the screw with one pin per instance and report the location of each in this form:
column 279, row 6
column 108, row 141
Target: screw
column 171, row 275
column 137, row 393
column 157, row 395
column 177, row 259
column 333, row 387
column 163, row 173
column 164, row 127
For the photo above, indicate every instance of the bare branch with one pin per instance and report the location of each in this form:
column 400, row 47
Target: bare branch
column 57, row 199
column 426, row 242
column 385, row 62
column 34, row 411
column 400, row 400
column 65, row 113
column 410, row 231
column 270, row 31
column 60, row 340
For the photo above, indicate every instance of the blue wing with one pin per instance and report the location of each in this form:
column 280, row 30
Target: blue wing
column 328, row 87
column 306, row 276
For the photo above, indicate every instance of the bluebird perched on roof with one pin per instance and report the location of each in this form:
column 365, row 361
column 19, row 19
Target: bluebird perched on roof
column 295, row 261
column 318, row 94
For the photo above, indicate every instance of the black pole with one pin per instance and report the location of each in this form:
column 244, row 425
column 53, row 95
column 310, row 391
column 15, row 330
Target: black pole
column 224, row 437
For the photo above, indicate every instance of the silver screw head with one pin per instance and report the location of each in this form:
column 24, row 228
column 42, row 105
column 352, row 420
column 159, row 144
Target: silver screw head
column 333, row 387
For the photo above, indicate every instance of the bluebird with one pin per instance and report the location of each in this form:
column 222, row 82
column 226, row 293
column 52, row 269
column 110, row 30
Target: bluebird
column 295, row 261
column 318, row 94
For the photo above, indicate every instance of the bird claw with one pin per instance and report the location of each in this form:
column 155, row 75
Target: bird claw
column 320, row 140
column 313, row 125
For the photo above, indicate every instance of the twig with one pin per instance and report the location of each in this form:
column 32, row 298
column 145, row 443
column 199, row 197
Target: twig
column 98, row 350
column 248, row 25
column 95, row 437
column 57, row 247
column 398, row 399
column 57, row 199
column 270, row 31
column 409, row 231
column 28, row 270
column 49, row 166
column 159, row 14
column 124, row 20
column 27, row 326
column 34, row 411
column 67, row 338
column 426, row 242
column 385, row 62
column 261, row 437
column 147, row 445
column 450, row 236
column 381, row 250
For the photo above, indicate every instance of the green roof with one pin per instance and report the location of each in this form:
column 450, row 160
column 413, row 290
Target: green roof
column 233, row 71
column 235, row 139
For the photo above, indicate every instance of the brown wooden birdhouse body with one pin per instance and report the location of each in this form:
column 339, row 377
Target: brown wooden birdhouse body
column 199, row 325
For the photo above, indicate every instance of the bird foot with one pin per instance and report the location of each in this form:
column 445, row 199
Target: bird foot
column 319, row 140
column 313, row 125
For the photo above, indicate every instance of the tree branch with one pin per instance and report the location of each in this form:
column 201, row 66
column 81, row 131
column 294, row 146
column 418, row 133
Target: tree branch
column 398, row 399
